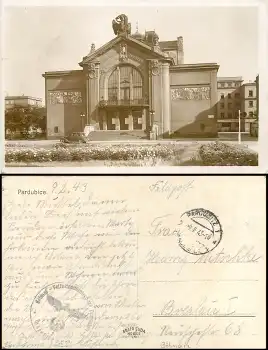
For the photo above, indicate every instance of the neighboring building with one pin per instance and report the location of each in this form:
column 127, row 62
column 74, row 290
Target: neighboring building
column 134, row 82
column 233, row 96
column 249, row 103
column 257, row 94
column 229, row 103
column 22, row 101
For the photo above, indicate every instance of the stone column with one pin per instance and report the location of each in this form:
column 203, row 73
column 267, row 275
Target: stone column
column 143, row 119
column 130, row 121
column 92, row 91
column 119, row 89
column 87, row 99
column 156, row 104
column 131, row 95
column 104, row 120
column 166, row 98
column 116, row 121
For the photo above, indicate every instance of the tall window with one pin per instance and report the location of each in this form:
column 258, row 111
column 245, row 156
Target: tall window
column 125, row 83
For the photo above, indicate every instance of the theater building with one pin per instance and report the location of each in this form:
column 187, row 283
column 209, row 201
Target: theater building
column 134, row 83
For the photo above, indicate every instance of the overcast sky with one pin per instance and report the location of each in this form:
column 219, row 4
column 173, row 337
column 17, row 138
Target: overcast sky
column 40, row 39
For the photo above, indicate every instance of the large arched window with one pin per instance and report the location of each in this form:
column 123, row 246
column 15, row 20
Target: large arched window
column 125, row 83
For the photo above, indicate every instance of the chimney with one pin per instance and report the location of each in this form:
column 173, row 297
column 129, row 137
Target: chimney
column 180, row 50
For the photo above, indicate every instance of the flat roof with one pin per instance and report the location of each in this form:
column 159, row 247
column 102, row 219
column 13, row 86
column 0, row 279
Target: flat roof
column 62, row 72
column 229, row 79
column 22, row 97
column 250, row 83
column 194, row 66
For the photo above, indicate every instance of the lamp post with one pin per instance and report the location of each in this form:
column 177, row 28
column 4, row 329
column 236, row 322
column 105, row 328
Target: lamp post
column 82, row 116
column 239, row 127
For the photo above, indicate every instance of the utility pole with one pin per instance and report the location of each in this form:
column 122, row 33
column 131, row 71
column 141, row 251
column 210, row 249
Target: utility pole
column 239, row 127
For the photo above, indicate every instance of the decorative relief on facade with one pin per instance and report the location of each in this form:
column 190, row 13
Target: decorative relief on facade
column 123, row 53
column 92, row 71
column 157, row 49
column 154, row 67
column 156, row 40
column 64, row 97
column 135, row 58
column 93, row 48
column 191, row 93
column 172, row 54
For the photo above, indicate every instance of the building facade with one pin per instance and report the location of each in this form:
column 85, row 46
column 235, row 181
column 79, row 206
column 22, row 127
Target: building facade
column 229, row 103
column 22, row 101
column 134, row 82
column 235, row 96
column 249, row 105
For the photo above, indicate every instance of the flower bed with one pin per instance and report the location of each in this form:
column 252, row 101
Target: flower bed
column 210, row 154
column 221, row 154
column 91, row 152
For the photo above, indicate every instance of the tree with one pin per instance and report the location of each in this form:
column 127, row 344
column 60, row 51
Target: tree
column 25, row 120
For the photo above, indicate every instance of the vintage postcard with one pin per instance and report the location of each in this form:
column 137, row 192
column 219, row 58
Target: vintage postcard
column 135, row 87
column 134, row 262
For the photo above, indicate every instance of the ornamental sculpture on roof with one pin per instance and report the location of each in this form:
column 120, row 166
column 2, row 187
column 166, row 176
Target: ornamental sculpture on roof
column 121, row 25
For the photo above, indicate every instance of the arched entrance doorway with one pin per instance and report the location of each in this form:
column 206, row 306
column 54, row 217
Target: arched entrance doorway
column 126, row 104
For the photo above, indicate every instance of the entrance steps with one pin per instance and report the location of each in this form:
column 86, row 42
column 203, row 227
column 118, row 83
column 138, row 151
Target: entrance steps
column 113, row 135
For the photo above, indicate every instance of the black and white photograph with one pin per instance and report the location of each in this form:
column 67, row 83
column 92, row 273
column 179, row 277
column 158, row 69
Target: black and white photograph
column 131, row 86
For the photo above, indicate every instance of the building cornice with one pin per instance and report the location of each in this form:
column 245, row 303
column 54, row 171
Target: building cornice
column 62, row 73
column 249, row 84
column 195, row 66
column 228, row 79
column 23, row 97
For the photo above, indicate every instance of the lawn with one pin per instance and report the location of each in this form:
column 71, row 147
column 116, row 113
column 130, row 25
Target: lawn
column 209, row 154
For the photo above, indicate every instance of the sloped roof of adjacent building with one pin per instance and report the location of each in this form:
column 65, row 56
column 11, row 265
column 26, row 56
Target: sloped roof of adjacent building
column 165, row 45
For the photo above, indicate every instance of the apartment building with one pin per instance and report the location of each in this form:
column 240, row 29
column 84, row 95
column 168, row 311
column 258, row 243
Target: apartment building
column 234, row 95
column 249, row 100
column 22, row 101
column 229, row 103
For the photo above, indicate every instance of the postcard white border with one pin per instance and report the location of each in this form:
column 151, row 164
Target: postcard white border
column 263, row 90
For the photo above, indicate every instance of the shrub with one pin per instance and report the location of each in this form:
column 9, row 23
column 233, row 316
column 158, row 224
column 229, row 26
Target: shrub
column 90, row 152
column 222, row 154
column 213, row 153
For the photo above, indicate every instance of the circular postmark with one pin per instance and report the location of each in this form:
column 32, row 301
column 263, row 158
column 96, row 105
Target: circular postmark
column 200, row 231
column 62, row 313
